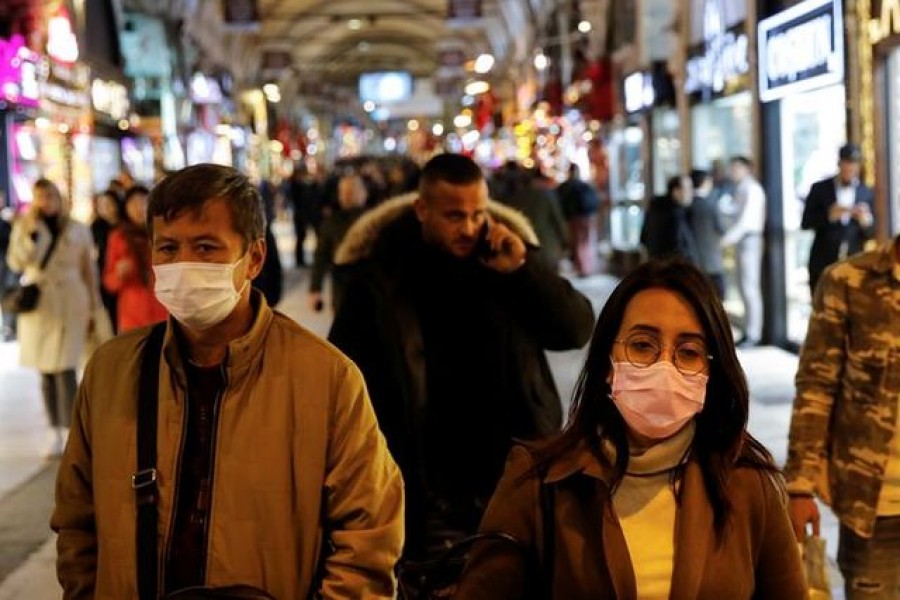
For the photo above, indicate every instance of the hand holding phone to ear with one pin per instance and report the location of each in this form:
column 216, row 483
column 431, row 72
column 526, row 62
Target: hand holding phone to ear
column 502, row 250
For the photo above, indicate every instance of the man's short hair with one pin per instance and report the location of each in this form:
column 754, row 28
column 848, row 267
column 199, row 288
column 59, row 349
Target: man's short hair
column 742, row 160
column 699, row 177
column 190, row 188
column 454, row 169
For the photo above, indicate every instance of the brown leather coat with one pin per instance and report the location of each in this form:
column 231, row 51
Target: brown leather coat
column 757, row 557
column 301, row 471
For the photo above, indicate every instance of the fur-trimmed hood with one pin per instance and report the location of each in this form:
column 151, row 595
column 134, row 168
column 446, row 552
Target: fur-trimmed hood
column 361, row 238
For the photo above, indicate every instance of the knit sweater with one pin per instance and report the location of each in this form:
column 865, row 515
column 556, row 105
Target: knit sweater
column 646, row 507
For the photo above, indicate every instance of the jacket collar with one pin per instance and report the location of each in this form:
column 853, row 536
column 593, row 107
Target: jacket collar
column 242, row 352
column 361, row 238
column 879, row 261
column 694, row 534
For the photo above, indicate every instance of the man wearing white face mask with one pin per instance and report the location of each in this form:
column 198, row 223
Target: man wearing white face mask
column 270, row 470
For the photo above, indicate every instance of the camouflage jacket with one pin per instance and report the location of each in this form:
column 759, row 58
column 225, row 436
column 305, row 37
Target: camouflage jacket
column 848, row 386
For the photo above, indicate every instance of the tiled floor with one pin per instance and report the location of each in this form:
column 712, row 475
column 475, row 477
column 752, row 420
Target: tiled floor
column 23, row 439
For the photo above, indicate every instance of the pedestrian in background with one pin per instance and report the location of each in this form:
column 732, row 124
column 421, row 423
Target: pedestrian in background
column 108, row 213
column 657, row 489
column 580, row 204
column 8, row 277
column 127, row 272
column 839, row 209
column 52, row 336
column 666, row 232
column 746, row 236
column 707, row 228
column 352, row 198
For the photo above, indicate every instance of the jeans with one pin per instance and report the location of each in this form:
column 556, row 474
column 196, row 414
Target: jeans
column 59, row 396
column 870, row 566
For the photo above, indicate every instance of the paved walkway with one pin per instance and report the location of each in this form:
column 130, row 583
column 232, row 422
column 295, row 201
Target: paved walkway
column 27, row 550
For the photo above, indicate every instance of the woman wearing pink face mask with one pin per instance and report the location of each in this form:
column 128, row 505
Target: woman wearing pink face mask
column 654, row 490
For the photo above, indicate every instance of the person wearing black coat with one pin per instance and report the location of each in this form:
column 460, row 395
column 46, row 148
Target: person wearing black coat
column 839, row 209
column 666, row 232
column 448, row 311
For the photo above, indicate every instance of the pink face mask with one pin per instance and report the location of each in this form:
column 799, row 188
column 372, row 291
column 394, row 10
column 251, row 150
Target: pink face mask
column 657, row 401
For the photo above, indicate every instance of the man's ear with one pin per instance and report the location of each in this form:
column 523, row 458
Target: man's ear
column 257, row 252
column 420, row 207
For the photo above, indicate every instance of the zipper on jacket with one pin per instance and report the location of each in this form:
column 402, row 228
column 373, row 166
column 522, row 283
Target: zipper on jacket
column 220, row 397
column 176, row 483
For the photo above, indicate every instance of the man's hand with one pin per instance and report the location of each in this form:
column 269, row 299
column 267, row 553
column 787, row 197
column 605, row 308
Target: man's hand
column 837, row 212
column 508, row 247
column 862, row 214
column 803, row 510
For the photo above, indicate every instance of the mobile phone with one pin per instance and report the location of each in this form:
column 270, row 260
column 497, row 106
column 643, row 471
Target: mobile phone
column 482, row 246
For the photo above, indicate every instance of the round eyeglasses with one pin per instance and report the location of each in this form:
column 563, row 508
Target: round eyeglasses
column 690, row 357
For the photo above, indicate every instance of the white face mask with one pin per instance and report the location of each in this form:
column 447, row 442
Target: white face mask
column 199, row 295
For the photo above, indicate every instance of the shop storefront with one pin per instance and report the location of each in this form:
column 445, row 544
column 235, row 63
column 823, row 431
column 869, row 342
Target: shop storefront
column 719, row 90
column 801, row 68
column 18, row 101
column 883, row 123
column 643, row 146
column 109, row 99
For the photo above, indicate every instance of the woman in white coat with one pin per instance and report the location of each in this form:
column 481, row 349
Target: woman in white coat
column 52, row 336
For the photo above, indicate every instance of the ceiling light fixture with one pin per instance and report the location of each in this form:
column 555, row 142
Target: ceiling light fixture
column 484, row 63
column 584, row 27
column 354, row 24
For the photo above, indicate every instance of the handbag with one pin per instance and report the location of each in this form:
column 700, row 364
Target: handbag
column 18, row 298
column 144, row 483
column 438, row 578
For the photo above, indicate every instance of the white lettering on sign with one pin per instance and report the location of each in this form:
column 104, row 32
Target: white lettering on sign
column 111, row 98
column 61, row 42
column 726, row 58
column 889, row 22
column 799, row 49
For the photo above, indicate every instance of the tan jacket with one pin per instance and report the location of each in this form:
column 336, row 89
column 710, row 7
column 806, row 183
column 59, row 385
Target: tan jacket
column 757, row 558
column 301, row 471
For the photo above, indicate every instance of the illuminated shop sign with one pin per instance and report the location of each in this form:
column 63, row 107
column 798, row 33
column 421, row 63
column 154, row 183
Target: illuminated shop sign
column 800, row 49
column 639, row 92
column 110, row 98
column 724, row 59
column 18, row 72
column 61, row 42
column 67, row 85
column 887, row 22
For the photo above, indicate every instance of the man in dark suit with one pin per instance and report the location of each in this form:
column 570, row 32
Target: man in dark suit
column 840, row 209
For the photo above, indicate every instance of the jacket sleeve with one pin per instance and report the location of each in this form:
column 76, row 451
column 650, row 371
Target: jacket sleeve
column 818, row 384
column 73, row 516
column 752, row 218
column 497, row 569
column 815, row 209
column 23, row 251
column 779, row 570
column 363, row 499
column 557, row 315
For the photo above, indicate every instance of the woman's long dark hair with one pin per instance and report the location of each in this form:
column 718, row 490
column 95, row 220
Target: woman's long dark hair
column 721, row 440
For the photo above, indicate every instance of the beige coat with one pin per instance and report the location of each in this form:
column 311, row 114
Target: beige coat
column 52, row 337
column 301, row 471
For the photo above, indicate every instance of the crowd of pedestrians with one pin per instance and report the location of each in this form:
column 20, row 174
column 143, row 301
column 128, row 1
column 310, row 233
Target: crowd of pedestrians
column 247, row 455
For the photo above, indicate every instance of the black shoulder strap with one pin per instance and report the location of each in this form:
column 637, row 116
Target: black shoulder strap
column 144, row 479
column 50, row 249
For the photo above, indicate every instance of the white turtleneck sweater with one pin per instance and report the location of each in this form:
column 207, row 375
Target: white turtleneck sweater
column 645, row 505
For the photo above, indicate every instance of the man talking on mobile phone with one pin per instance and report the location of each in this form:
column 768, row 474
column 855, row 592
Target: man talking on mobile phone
column 448, row 311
